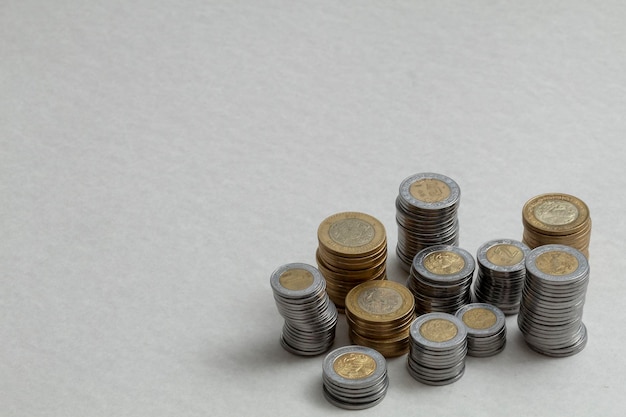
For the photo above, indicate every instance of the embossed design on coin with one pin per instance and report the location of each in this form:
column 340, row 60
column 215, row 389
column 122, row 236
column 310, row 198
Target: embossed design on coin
column 354, row 365
column 352, row 232
column 504, row 255
column 430, row 190
column 479, row 318
column 556, row 212
column 444, row 263
column 438, row 330
column 296, row 279
column 380, row 300
column 556, row 263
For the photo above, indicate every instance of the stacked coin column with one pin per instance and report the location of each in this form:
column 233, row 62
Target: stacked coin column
column 486, row 329
column 441, row 279
column 310, row 316
column 501, row 273
column 426, row 214
column 550, row 315
column 352, row 249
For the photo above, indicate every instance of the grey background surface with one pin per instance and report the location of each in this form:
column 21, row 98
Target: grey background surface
column 159, row 159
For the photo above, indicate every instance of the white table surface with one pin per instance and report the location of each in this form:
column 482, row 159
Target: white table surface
column 159, row 159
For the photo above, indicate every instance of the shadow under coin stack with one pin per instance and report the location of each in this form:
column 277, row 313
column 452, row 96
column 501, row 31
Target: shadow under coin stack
column 550, row 315
column 354, row 377
column 437, row 349
column 441, row 279
column 557, row 219
column 310, row 316
column 352, row 249
column 426, row 214
column 501, row 274
column 486, row 329
column 379, row 315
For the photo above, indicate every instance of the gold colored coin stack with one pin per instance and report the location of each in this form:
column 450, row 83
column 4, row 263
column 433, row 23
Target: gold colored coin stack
column 352, row 249
column 557, row 218
column 379, row 315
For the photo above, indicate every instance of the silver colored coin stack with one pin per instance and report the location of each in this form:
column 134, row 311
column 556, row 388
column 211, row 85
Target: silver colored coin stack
column 354, row 377
column 437, row 352
column 426, row 214
column 310, row 316
column 486, row 329
column 550, row 315
column 501, row 274
column 441, row 292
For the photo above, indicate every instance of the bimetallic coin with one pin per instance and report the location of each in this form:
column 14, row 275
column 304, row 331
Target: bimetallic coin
column 486, row 329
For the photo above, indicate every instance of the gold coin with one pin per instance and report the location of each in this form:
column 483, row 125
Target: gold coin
column 444, row 263
column 296, row 279
column 479, row 318
column 555, row 214
column 353, row 365
column 380, row 301
column 438, row 330
column 556, row 263
column 504, row 255
column 430, row 190
column 351, row 234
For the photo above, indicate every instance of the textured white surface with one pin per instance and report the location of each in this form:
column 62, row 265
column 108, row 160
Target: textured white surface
column 159, row 159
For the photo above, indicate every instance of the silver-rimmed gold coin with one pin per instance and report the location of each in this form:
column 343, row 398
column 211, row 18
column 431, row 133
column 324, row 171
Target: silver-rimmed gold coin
column 486, row 328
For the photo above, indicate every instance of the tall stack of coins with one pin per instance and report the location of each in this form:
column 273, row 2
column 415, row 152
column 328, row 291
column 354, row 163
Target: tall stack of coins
column 354, row 377
column 501, row 273
column 310, row 316
column 550, row 315
column 486, row 329
column 352, row 249
column 557, row 219
column 426, row 214
column 438, row 346
column 379, row 315
column 440, row 279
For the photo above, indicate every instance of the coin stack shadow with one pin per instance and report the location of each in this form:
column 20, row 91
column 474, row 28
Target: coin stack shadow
column 557, row 218
column 354, row 377
column 440, row 279
column 379, row 315
column 310, row 316
column 486, row 329
column 550, row 315
column 426, row 214
column 438, row 346
column 501, row 273
column 352, row 249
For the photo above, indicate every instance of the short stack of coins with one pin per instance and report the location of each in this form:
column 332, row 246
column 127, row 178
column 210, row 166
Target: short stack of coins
column 438, row 346
column 354, row 377
column 501, row 274
column 426, row 214
column 379, row 315
column 486, row 329
column 352, row 249
column 310, row 316
column 557, row 218
column 550, row 315
column 441, row 278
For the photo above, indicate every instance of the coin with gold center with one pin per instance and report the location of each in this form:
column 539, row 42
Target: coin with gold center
column 354, row 365
column 430, row 190
column 444, row 263
column 296, row 279
column 504, row 255
column 556, row 263
column 438, row 330
column 479, row 318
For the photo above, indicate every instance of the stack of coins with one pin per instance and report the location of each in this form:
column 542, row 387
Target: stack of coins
column 354, row 377
column 501, row 273
column 437, row 349
column 557, row 219
column 310, row 316
column 426, row 214
column 550, row 315
column 440, row 279
column 352, row 249
column 379, row 315
column 486, row 329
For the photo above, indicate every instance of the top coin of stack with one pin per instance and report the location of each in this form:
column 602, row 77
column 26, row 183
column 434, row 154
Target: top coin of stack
column 352, row 249
column 557, row 218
